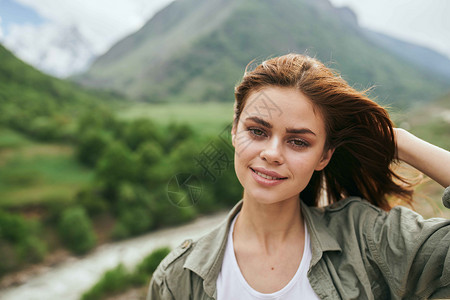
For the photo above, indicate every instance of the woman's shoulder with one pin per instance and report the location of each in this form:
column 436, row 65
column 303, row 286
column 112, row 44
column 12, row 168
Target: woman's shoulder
column 174, row 261
column 349, row 208
column 355, row 212
column 351, row 204
column 193, row 254
column 359, row 213
column 170, row 278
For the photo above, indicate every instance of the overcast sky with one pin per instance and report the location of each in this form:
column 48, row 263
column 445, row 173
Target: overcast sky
column 33, row 29
column 101, row 20
column 425, row 22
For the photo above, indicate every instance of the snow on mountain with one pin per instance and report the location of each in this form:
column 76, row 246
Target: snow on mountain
column 72, row 33
column 59, row 51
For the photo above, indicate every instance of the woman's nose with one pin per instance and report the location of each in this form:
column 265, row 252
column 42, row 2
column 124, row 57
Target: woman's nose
column 272, row 152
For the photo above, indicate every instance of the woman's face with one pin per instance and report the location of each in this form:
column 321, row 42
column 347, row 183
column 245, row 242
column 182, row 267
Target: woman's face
column 279, row 142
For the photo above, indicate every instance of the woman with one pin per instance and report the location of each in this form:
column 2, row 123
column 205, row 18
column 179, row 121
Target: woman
column 308, row 150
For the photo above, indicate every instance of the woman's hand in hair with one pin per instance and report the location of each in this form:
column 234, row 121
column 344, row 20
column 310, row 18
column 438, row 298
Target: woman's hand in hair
column 425, row 157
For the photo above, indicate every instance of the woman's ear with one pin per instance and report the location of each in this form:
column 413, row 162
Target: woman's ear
column 326, row 157
column 233, row 134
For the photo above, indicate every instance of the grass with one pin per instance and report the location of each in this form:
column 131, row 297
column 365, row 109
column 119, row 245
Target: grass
column 207, row 118
column 12, row 139
column 33, row 172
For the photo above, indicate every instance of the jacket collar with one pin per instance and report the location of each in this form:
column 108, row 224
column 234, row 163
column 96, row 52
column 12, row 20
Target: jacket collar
column 207, row 255
column 320, row 238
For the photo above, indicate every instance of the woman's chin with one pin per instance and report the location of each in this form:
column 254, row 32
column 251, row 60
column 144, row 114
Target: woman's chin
column 266, row 197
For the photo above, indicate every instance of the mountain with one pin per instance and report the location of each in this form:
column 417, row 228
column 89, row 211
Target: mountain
column 59, row 50
column 419, row 55
column 36, row 103
column 196, row 50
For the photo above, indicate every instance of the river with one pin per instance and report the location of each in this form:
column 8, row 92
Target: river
column 70, row 279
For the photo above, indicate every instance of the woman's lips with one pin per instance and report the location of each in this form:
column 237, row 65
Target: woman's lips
column 266, row 173
column 266, row 177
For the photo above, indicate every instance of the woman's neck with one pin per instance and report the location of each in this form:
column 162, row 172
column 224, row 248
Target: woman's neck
column 268, row 226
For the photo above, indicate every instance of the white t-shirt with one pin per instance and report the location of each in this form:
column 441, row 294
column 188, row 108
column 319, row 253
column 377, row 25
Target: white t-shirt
column 231, row 284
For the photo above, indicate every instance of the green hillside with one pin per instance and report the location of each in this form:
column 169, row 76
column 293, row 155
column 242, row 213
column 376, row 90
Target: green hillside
column 40, row 128
column 196, row 50
column 39, row 172
column 39, row 105
column 66, row 158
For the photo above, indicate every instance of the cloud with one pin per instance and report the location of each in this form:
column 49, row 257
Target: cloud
column 74, row 32
column 60, row 51
column 1, row 29
column 102, row 22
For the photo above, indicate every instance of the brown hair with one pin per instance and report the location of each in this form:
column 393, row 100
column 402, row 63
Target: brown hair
column 359, row 130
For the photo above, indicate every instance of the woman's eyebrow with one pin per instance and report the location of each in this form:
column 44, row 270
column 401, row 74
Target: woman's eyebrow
column 288, row 130
column 300, row 130
column 260, row 121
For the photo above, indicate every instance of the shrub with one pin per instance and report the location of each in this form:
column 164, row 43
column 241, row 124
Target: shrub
column 76, row 231
column 176, row 134
column 151, row 262
column 149, row 155
column 13, row 227
column 133, row 220
column 91, row 146
column 97, row 118
column 31, row 250
column 134, row 208
column 140, row 131
column 119, row 279
column 19, row 242
column 136, row 220
column 113, row 281
column 117, row 164
column 172, row 210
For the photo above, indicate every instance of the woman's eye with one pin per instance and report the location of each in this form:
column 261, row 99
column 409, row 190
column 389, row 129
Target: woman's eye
column 256, row 132
column 299, row 143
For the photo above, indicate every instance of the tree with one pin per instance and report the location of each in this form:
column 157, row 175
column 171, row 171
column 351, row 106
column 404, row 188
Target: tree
column 76, row 230
column 91, row 146
column 140, row 131
column 117, row 164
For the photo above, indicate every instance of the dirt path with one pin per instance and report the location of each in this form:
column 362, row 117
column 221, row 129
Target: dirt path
column 71, row 279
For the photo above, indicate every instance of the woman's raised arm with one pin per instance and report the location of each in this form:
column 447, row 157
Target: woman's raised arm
column 425, row 157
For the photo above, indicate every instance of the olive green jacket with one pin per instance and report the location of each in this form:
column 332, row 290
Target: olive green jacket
column 358, row 252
